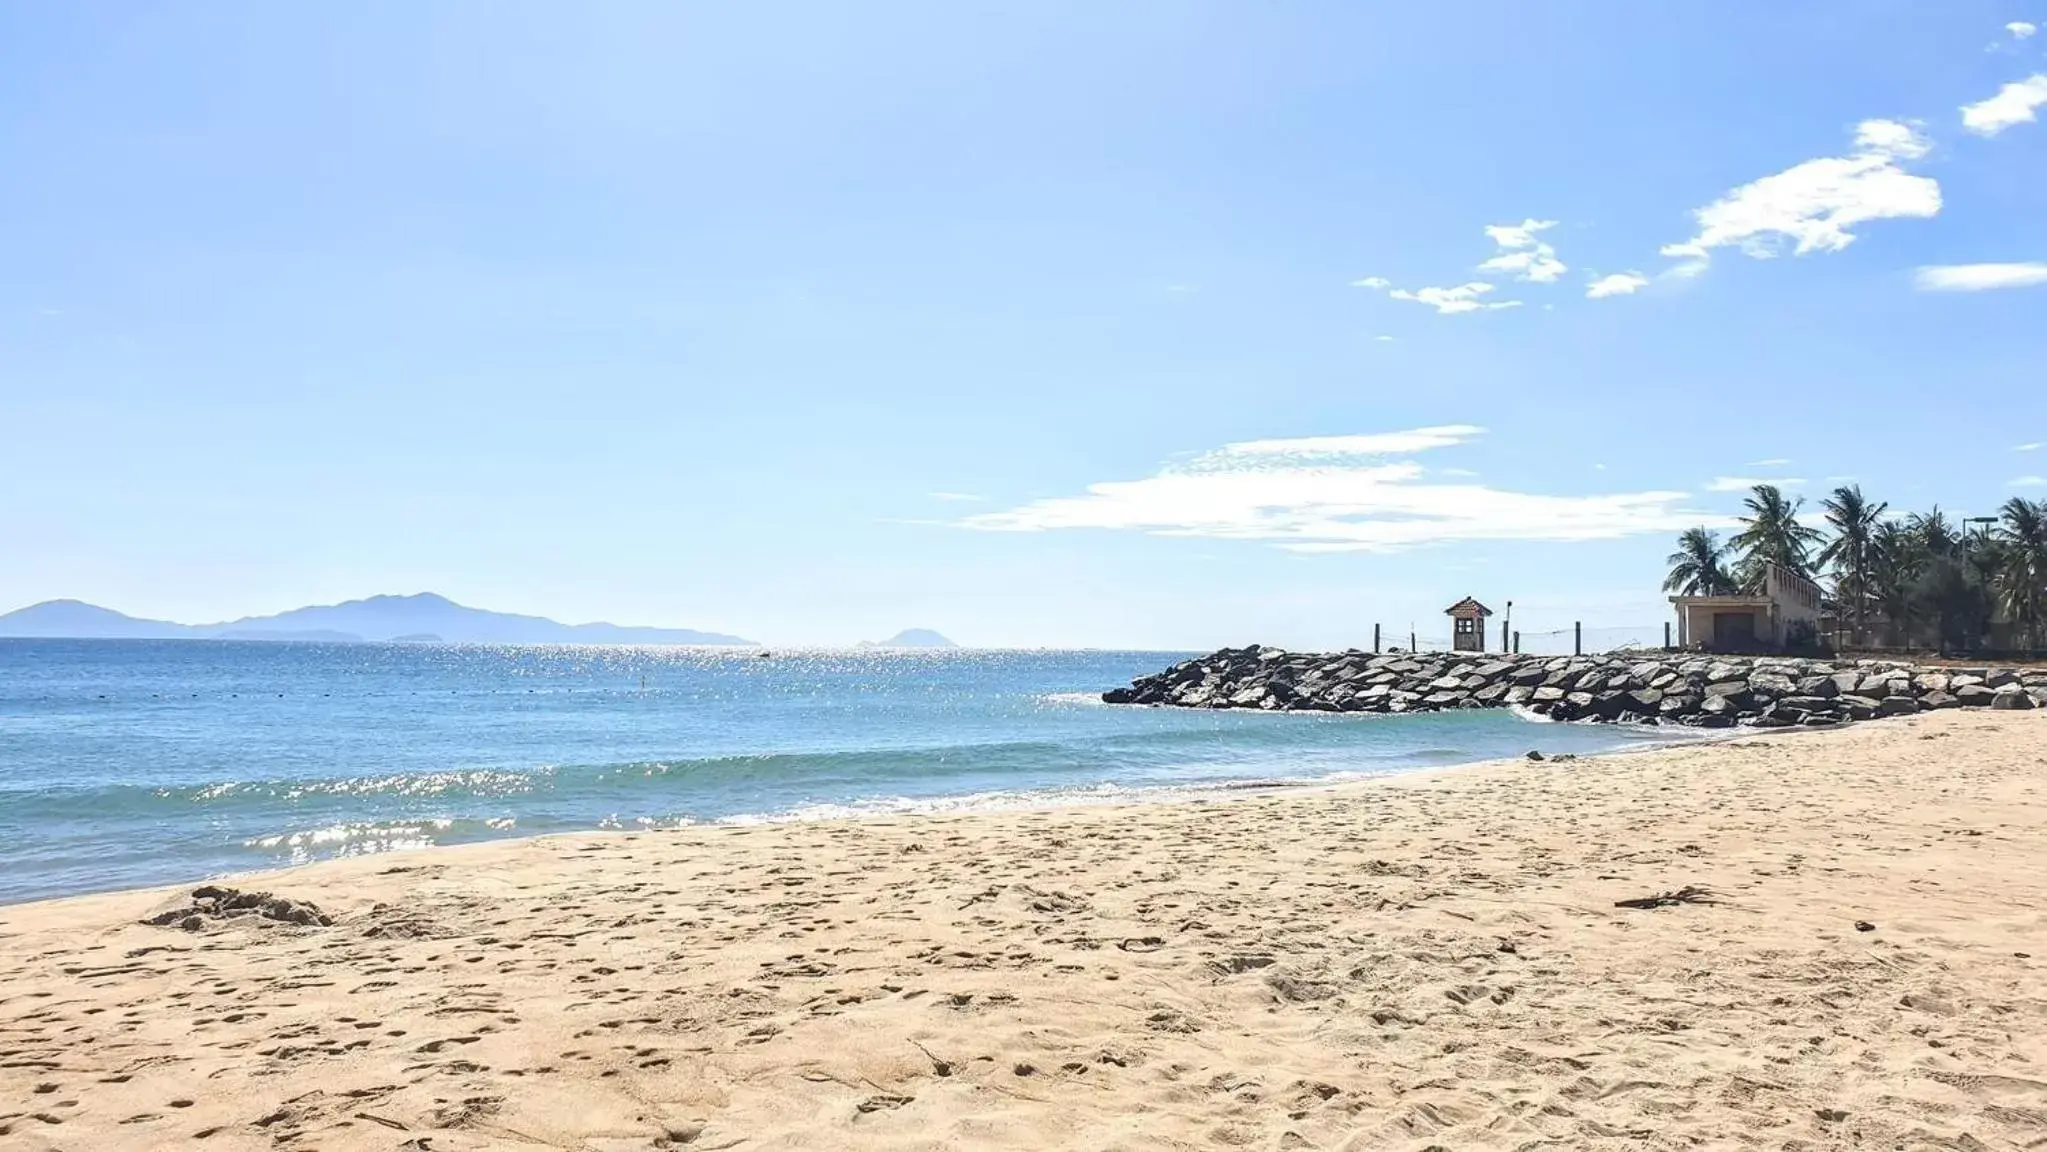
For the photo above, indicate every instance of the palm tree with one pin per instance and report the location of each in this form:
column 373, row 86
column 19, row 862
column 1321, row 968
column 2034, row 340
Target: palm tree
column 1699, row 566
column 2022, row 577
column 1935, row 536
column 1854, row 521
column 1771, row 534
column 1895, row 560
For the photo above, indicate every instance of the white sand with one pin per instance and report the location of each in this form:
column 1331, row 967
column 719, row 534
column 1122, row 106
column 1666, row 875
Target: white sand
column 1434, row 961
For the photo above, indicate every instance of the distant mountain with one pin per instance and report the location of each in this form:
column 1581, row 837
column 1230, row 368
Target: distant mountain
column 912, row 638
column 72, row 619
column 376, row 618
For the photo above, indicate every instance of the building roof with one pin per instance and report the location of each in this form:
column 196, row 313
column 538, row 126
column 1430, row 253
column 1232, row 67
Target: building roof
column 1467, row 607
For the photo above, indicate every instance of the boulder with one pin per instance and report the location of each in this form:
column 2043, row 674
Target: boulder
column 1973, row 695
column 1934, row 698
column 2011, row 698
column 1823, row 686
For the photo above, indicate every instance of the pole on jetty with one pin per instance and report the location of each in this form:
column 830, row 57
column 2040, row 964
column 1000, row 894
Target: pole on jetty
column 1517, row 643
column 1375, row 639
column 1666, row 635
column 1577, row 638
column 1411, row 645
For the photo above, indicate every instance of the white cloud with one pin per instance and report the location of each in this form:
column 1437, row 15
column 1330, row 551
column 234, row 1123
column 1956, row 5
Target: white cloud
column 1772, row 462
column 1980, row 277
column 1522, row 255
column 957, row 497
column 1340, row 494
column 2033, row 447
column 1744, row 483
column 1451, row 301
column 1813, row 205
column 1616, row 284
column 1375, row 282
column 1306, row 448
column 2029, row 482
column 2021, row 29
column 2013, row 104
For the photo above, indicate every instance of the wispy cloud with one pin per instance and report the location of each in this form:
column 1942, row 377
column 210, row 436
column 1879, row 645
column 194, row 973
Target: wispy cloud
column 1523, row 255
column 1448, row 301
column 1813, row 205
column 2032, row 447
column 2013, row 105
column 1772, row 462
column 957, row 497
column 1339, row 494
column 2029, row 482
column 1744, row 483
column 2022, row 29
column 1383, row 339
column 1980, row 277
column 1616, row 284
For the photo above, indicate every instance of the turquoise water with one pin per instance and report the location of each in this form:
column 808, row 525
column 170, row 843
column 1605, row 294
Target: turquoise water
column 127, row 763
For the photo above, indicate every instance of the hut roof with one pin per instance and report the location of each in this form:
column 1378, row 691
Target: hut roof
column 1467, row 607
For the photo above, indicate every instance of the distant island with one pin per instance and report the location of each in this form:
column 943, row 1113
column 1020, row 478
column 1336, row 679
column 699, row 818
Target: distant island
column 911, row 638
column 425, row 618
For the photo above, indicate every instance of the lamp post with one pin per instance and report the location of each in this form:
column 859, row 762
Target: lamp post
column 1507, row 630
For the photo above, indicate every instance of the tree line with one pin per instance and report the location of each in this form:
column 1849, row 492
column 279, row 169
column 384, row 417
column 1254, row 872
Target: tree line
column 1922, row 578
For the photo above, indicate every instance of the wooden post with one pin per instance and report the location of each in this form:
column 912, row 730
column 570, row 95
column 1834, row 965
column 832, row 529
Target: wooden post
column 1577, row 638
column 1411, row 645
column 1517, row 643
column 1666, row 635
column 1375, row 639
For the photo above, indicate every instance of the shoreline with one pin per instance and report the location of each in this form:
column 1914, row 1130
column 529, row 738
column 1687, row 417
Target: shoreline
column 973, row 804
column 1428, row 957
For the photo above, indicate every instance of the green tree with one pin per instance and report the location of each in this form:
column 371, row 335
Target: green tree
column 2021, row 581
column 1851, row 552
column 1895, row 560
column 1699, row 566
column 1771, row 534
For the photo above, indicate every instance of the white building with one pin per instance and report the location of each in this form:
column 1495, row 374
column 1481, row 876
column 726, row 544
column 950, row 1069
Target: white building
column 1786, row 614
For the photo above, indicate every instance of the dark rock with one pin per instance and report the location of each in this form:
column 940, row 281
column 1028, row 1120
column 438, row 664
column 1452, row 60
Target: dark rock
column 1973, row 695
column 2010, row 699
column 1821, row 686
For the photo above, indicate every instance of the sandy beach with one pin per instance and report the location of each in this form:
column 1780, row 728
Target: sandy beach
column 1435, row 960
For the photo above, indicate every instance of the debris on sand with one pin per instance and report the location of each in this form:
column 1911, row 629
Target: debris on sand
column 212, row 902
column 1688, row 894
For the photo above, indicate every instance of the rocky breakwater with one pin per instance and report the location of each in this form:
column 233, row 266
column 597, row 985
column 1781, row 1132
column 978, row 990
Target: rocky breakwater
column 1623, row 687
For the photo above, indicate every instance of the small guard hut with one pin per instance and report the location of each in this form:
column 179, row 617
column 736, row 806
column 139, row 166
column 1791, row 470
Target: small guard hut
column 1467, row 627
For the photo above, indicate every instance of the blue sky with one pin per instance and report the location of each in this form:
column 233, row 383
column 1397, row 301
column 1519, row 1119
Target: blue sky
column 1144, row 324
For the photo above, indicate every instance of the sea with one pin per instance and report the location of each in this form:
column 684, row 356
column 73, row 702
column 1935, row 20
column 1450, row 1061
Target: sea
column 126, row 764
